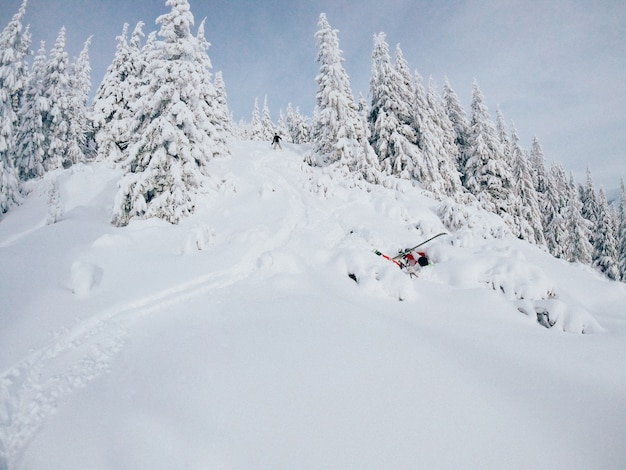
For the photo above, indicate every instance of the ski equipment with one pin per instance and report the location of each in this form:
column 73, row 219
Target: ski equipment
column 389, row 258
column 405, row 252
column 422, row 260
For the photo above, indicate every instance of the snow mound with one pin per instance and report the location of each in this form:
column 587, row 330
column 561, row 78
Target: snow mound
column 556, row 314
column 84, row 277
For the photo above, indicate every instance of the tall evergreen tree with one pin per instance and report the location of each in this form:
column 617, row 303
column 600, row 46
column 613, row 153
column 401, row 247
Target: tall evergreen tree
column 256, row 125
column 297, row 125
column 212, row 100
column 605, row 254
column 577, row 245
column 57, row 118
column 537, row 165
column 390, row 118
column 443, row 148
column 460, row 124
column 267, row 126
column 31, row 135
column 526, row 213
column 112, row 108
column 340, row 131
column 554, row 211
column 221, row 112
column 487, row 173
column 79, row 122
column 170, row 137
column 590, row 205
column 14, row 47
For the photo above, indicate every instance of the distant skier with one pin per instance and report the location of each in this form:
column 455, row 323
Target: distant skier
column 276, row 142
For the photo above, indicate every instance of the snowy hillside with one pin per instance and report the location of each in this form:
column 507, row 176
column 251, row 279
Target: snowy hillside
column 263, row 332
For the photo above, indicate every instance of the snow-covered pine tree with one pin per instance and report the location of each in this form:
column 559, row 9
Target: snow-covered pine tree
column 221, row 111
column 80, row 123
column 578, row 232
column 112, row 105
column 487, row 173
column 527, row 223
column 538, row 167
column 426, row 166
column 605, row 255
column 340, row 134
column 460, row 123
column 255, row 130
column 590, row 205
column 170, row 143
column 31, row 135
column 443, row 146
column 57, row 119
column 267, row 126
column 14, row 47
column 621, row 233
column 297, row 125
column 506, row 148
column 390, row 117
column 554, row 211
column 218, row 129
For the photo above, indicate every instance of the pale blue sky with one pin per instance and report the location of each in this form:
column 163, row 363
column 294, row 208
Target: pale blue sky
column 557, row 69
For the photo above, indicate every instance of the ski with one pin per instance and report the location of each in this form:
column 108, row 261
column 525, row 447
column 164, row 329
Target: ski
column 376, row 252
column 405, row 252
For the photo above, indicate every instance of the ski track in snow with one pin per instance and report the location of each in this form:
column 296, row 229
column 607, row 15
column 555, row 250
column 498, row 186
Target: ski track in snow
column 31, row 389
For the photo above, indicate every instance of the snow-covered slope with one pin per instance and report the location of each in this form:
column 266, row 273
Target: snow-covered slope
column 237, row 339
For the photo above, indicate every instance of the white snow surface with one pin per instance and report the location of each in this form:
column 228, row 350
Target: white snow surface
column 237, row 340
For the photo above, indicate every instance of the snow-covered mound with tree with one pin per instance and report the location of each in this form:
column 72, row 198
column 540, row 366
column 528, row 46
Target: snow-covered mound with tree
column 262, row 331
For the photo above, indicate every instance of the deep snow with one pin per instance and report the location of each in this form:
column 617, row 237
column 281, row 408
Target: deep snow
column 237, row 340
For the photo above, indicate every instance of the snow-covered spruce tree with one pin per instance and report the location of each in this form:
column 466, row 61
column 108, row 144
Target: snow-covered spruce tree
column 605, row 256
column 590, row 205
column 538, row 167
column 445, row 151
column 221, row 111
column 390, row 117
column 621, row 233
column 57, row 119
column 255, row 130
column 578, row 229
column 554, row 211
column 80, row 124
column 487, row 173
column 267, row 126
column 297, row 125
column 112, row 108
column 340, row 134
column 218, row 127
column 14, row 47
column 170, row 136
column 31, row 134
column 527, row 223
column 459, row 121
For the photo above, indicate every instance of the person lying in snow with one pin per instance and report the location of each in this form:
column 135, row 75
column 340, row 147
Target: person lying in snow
column 413, row 264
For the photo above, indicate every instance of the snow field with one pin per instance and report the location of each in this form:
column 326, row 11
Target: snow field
column 236, row 339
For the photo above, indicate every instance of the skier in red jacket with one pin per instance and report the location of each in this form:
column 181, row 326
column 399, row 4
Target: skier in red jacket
column 413, row 264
